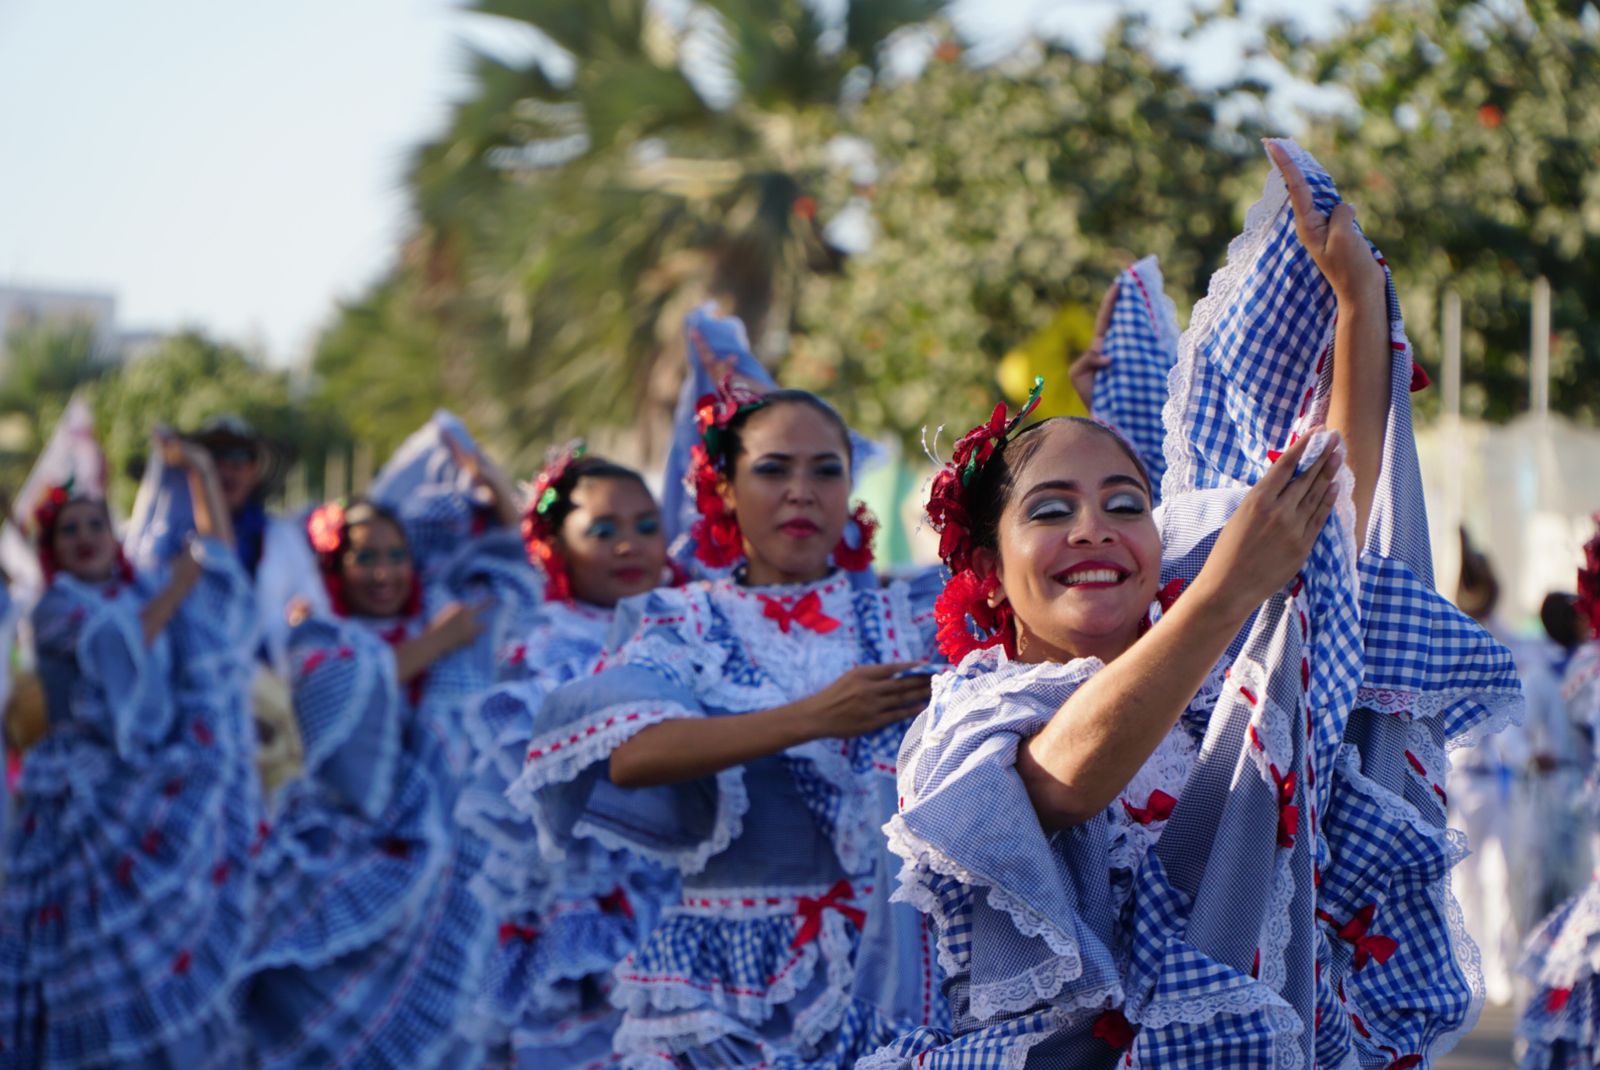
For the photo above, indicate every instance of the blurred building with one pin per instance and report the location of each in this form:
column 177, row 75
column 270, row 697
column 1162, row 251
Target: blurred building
column 26, row 307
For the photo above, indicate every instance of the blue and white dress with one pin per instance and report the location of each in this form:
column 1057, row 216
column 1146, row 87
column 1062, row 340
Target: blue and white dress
column 1272, row 887
column 369, row 947
column 783, row 948
column 1560, row 1026
column 127, row 894
column 563, row 926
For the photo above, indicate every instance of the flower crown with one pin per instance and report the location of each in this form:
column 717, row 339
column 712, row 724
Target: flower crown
column 538, row 534
column 966, row 620
column 49, row 508
column 717, row 540
column 1589, row 582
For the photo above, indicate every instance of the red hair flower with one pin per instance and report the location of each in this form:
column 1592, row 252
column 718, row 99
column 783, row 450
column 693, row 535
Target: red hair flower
column 538, row 534
column 325, row 526
column 718, row 542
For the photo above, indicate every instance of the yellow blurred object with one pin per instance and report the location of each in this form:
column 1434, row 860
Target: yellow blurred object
column 279, row 754
column 1049, row 352
column 27, row 719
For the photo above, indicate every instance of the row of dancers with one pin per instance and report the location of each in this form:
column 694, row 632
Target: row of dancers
column 1148, row 771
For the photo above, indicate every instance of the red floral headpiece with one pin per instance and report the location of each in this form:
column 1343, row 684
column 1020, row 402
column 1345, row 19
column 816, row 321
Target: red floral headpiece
column 328, row 528
column 718, row 542
column 538, row 534
column 1589, row 581
column 45, row 515
column 967, row 621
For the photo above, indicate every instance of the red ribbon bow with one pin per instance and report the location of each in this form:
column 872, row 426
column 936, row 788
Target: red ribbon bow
column 1288, row 812
column 616, row 902
column 1354, row 932
column 810, row 912
column 1557, row 999
column 1114, row 1029
column 807, row 613
column 1158, row 807
column 510, row 931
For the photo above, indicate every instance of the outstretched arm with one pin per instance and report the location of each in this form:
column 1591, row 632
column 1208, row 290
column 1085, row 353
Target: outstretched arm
column 1358, row 405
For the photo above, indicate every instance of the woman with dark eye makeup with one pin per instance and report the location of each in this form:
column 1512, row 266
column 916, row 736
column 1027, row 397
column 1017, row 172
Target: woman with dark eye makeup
column 127, row 891
column 742, row 733
column 1178, row 803
column 368, row 946
column 594, row 530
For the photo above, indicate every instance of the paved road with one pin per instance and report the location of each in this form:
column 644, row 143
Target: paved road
column 1489, row 1045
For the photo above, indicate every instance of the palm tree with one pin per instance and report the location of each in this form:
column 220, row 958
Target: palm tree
column 566, row 224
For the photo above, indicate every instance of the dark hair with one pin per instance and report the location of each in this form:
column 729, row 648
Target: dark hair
column 1559, row 615
column 997, row 478
column 732, row 441
column 359, row 512
column 583, row 468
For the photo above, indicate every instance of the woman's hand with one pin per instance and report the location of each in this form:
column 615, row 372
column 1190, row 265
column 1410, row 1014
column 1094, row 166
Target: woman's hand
column 459, row 624
column 1083, row 370
column 1266, row 542
column 866, row 698
column 1339, row 250
column 488, row 475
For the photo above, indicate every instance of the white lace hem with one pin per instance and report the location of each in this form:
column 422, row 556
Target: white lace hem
column 1503, row 707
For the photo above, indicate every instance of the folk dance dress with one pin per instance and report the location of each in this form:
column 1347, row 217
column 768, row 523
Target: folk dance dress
column 368, row 945
column 1271, row 889
column 561, row 927
column 127, row 893
column 1560, row 1027
column 783, row 949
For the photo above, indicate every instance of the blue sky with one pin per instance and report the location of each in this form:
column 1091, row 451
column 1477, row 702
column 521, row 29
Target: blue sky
column 237, row 166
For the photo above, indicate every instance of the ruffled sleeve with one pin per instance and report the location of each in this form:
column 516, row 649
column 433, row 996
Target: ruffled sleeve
column 1030, row 923
column 651, row 678
column 216, row 627
column 94, row 662
column 348, row 705
column 1142, row 345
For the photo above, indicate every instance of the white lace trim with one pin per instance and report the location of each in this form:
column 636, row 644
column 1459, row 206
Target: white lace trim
column 1021, row 992
column 1504, row 707
column 1167, row 769
column 1573, row 954
column 1242, row 253
column 732, row 804
column 714, row 1012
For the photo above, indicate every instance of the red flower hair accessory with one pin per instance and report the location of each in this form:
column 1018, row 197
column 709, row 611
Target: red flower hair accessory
column 1588, row 601
column 718, row 543
column 328, row 529
column 967, row 621
column 538, row 534
column 857, row 558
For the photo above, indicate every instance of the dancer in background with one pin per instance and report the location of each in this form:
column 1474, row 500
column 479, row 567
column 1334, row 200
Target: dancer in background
column 596, row 533
column 127, row 893
column 744, row 735
column 368, row 946
column 1560, row 1026
column 1145, row 814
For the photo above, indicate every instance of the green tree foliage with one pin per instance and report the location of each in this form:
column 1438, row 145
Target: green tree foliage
column 189, row 378
column 1471, row 151
column 1005, row 195
column 565, row 225
column 42, row 368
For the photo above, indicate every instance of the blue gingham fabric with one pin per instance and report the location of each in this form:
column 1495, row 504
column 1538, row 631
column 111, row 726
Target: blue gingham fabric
column 783, row 948
column 1560, row 1025
column 725, row 337
column 1142, row 345
column 562, row 926
column 127, row 890
column 1294, row 908
column 367, row 946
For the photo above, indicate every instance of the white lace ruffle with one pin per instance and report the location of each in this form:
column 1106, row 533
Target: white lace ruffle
column 1167, row 769
column 1574, row 953
column 1505, row 707
column 683, row 1016
column 733, row 802
column 1022, row 991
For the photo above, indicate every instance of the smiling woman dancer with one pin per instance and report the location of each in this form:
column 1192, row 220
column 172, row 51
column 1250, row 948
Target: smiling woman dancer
column 595, row 531
column 1160, row 836
column 127, row 890
column 744, row 735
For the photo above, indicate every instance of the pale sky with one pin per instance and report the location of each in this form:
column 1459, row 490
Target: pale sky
column 238, row 166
